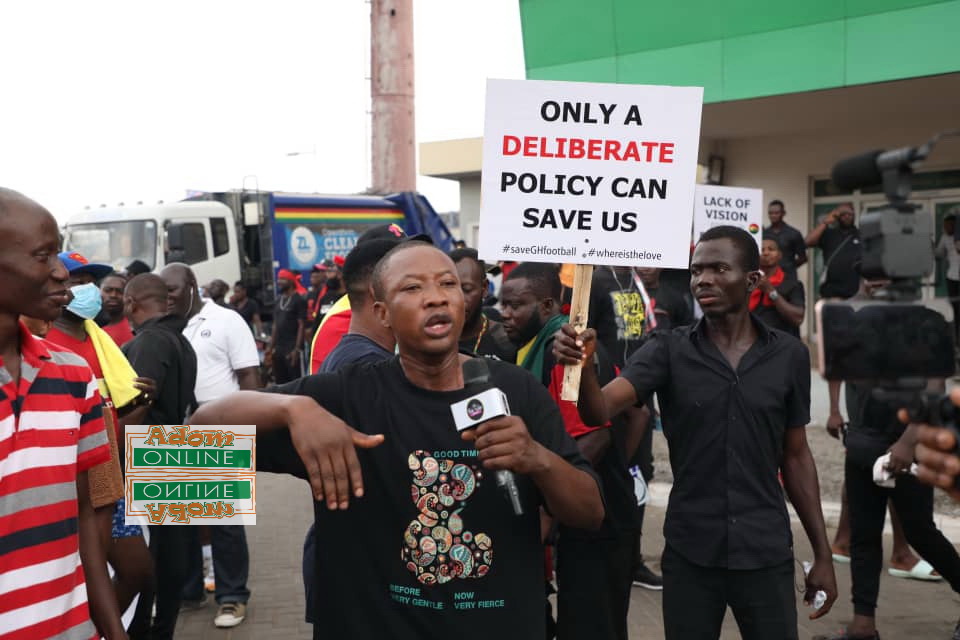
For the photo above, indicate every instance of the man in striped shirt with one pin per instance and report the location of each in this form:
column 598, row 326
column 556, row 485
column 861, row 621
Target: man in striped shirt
column 51, row 433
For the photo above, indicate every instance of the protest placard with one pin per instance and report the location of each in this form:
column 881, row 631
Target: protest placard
column 589, row 173
column 736, row 206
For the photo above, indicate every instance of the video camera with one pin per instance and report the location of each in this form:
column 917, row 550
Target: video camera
column 891, row 339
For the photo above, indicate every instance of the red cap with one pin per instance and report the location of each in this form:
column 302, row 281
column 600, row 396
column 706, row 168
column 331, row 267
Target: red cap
column 286, row 274
column 339, row 261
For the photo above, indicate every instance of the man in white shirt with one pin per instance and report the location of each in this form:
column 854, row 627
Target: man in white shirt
column 947, row 250
column 227, row 361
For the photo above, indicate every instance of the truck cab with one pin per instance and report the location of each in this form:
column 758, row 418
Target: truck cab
column 200, row 234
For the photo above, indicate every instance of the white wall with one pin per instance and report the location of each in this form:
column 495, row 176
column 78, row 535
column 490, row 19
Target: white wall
column 469, row 208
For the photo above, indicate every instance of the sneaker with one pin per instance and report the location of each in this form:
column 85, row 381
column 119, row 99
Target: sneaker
column 230, row 614
column 644, row 577
column 193, row 605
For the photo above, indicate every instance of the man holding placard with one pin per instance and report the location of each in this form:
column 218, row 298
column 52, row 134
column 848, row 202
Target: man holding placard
column 735, row 398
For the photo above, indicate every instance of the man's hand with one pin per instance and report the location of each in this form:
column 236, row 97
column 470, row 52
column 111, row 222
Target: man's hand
column 293, row 357
column 832, row 216
column 505, row 443
column 821, row 578
column 765, row 285
column 835, row 424
column 939, row 465
column 570, row 348
column 901, row 457
column 327, row 446
column 147, row 388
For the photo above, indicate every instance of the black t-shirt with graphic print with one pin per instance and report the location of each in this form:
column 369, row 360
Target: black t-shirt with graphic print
column 433, row 548
column 617, row 312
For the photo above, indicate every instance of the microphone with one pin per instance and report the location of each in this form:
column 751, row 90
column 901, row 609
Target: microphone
column 486, row 403
column 866, row 169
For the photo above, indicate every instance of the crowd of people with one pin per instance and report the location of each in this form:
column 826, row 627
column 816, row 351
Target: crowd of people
column 351, row 389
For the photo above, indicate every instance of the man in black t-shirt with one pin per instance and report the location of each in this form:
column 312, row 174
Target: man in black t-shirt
column 160, row 351
column 839, row 240
column 793, row 248
column 593, row 567
column 247, row 307
column 481, row 334
column 735, row 399
column 289, row 320
column 414, row 539
column 778, row 299
column 366, row 341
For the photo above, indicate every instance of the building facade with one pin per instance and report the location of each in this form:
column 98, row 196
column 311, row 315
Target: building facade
column 789, row 89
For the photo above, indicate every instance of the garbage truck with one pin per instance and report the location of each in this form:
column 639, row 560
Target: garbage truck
column 244, row 235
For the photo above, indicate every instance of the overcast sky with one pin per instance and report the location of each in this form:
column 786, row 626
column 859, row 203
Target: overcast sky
column 109, row 102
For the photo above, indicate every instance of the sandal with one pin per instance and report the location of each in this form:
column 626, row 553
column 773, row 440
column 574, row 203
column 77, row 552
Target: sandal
column 843, row 635
column 920, row 571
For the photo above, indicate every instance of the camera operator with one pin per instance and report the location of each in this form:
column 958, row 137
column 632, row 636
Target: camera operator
column 874, row 431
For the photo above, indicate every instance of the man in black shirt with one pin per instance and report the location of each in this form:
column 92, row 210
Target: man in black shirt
column 793, row 248
column 161, row 352
column 415, row 540
column 289, row 319
column 481, row 335
column 247, row 307
column 839, row 240
column 735, row 399
column 367, row 341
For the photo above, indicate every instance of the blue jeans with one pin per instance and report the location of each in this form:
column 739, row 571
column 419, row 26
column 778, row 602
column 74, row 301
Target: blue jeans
column 231, row 565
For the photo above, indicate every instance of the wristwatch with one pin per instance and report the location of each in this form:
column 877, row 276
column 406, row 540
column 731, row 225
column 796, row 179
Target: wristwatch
column 774, row 295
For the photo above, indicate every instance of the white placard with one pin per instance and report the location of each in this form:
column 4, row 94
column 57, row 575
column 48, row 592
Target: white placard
column 589, row 173
column 715, row 206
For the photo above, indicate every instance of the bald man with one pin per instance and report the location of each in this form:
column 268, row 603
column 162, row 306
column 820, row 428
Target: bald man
column 51, row 433
column 161, row 352
column 227, row 355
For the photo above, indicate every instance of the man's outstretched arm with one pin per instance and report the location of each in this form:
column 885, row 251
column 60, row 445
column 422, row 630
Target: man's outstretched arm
column 596, row 405
column 324, row 442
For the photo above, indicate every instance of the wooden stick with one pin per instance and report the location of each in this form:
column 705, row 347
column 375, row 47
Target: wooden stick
column 579, row 309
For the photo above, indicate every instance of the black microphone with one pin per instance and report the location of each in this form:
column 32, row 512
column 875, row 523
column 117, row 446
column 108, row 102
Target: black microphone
column 866, row 169
column 485, row 403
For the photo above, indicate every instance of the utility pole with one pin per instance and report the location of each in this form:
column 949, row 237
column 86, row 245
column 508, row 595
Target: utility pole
column 393, row 155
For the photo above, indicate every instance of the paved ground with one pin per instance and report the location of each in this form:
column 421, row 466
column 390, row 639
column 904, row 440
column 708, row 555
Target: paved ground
column 908, row 609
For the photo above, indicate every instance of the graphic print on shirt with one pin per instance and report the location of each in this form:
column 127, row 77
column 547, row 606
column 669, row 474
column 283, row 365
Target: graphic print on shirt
column 437, row 545
column 629, row 314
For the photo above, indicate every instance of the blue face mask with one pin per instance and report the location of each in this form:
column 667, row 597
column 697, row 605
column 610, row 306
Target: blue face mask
column 86, row 301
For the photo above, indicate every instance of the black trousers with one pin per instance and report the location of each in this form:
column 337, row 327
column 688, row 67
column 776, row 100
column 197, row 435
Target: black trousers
column 594, row 578
column 643, row 457
column 283, row 371
column 868, row 507
column 695, row 600
column 170, row 546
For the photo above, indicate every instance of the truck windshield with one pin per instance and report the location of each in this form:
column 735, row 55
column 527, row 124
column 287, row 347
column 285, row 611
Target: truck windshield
column 116, row 243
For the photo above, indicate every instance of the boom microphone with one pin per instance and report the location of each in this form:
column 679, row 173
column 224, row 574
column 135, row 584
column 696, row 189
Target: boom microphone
column 486, row 403
column 866, row 169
